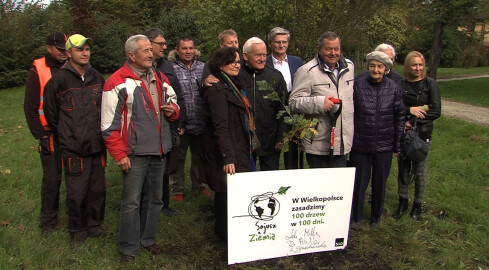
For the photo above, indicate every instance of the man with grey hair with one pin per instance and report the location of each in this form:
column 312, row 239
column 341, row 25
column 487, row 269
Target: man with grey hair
column 258, row 81
column 318, row 83
column 278, row 40
column 391, row 73
column 139, row 144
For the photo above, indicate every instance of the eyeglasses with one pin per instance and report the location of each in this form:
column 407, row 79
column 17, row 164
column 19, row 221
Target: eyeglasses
column 235, row 64
column 161, row 44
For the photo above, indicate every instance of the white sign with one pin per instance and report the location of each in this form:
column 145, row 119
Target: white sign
column 289, row 212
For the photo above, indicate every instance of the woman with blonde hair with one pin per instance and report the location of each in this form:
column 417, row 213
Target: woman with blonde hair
column 423, row 106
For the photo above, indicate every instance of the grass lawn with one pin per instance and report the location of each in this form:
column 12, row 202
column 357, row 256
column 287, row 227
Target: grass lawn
column 473, row 91
column 452, row 233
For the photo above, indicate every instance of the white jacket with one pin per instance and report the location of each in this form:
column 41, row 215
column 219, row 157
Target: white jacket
column 312, row 84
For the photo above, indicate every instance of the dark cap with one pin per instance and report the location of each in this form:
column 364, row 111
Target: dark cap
column 57, row 39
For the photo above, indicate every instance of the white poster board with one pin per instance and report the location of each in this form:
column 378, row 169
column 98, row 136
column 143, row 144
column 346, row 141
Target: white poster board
column 289, row 212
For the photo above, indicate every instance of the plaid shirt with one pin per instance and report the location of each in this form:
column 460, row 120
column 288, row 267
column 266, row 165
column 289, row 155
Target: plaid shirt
column 189, row 82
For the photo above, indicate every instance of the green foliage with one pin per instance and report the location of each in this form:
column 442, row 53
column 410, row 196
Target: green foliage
column 362, row 24
column 24, row 26
column 177, row 23
column 300, row 126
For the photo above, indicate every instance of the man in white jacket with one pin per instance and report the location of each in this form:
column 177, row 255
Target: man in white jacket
column 328, row 76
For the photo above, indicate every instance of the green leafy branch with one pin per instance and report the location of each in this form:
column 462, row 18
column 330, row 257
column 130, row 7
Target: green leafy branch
column 300, row 126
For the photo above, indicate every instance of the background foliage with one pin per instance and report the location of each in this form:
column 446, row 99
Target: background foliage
column 362, row 24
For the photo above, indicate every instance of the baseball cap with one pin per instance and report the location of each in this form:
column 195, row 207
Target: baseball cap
column 56, row 39
column 77, row 41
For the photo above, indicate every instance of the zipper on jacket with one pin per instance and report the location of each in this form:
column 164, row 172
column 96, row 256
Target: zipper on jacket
column 254, row 92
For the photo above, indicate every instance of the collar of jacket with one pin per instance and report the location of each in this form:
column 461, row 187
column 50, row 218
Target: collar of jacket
column 127, row 72
column 159, row 62
column 67, row 65
column 252, row 70
column 52, row 62
column 342, row 65
column 181, row 64
column 375, row 83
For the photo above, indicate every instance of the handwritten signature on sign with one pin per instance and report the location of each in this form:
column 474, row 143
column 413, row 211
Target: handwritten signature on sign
column 310, row 239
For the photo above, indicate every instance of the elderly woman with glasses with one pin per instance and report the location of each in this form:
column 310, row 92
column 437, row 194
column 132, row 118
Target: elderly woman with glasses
column 228, row 133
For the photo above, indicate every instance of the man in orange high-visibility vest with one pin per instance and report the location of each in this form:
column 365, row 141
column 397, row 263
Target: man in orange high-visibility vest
column 37, row 77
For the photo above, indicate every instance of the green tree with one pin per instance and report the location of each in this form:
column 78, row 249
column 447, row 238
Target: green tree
column 24, row 26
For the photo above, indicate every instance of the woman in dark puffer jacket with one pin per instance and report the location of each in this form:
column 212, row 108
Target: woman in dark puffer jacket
column 379, row 123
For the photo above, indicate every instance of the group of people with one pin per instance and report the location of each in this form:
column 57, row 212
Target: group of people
column 152, row 110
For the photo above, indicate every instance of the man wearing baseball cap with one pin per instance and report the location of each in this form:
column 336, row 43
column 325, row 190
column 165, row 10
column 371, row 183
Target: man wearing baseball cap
column 72, row 106
column 39, row 74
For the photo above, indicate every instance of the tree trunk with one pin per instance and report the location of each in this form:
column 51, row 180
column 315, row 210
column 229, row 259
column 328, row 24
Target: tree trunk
column 436, row 49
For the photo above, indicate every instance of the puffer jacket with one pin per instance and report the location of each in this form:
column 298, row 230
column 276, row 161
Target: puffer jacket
column 429, row 95
column 379, row 116
column 269, row 129
column 129, row 118
column 312, row 84
column 72, row 108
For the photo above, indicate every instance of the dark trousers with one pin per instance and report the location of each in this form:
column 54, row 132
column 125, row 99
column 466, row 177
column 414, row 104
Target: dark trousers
column 324, row 161
column 220, row 209
column 51, row 181
column 85, row 192
column 269, row 162
column 378, row 166
column 292, row 158
column 170, row 168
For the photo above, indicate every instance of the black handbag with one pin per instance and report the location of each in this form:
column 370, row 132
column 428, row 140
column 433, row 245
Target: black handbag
column 413, row 146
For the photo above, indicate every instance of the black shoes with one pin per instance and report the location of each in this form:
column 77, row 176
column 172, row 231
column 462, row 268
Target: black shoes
column 403, row 206
column 154, row 249
column 169, row 211
column 127, row 258
column 46, row 230
column 416, row 211
column 97, row 232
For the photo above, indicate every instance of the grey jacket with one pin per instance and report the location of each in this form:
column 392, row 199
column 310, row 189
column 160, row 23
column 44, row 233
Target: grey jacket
column 313, row 82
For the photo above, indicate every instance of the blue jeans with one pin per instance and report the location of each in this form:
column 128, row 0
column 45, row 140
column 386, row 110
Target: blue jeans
column 136, row 226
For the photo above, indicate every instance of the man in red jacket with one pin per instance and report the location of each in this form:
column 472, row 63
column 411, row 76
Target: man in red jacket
column 39, row 74
column 138, row 105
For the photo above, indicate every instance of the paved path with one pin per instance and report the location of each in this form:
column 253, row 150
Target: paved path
column 470, row 113
column 462, row 78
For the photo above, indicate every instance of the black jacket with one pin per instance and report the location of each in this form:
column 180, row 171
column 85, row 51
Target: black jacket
column 166, row 67
column 429, row 94
column 269, row 129
column 72, row 108
column 379, row 116
column 225, row 139
column 32, row 97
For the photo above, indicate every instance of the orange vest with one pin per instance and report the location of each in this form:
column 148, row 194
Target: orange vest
column 44, row 73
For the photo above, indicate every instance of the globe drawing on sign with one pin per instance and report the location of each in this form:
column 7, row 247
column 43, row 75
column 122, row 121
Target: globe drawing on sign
column 265, row 206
